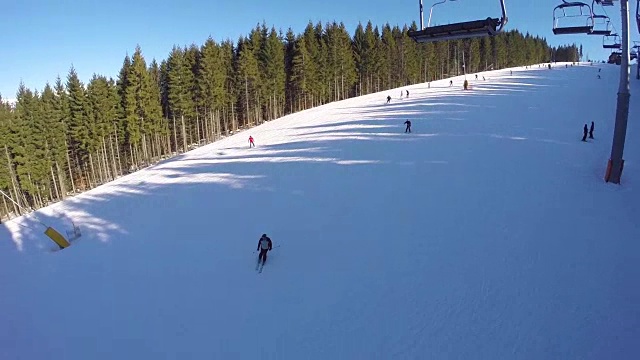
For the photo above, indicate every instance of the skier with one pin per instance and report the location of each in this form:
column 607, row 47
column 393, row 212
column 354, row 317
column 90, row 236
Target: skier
column 408, row 129
column 251, row 143
column 388, row 99
column 450, row 82
column 591, row 130
column 585, row 131
column 264, row 245
column 407, row 93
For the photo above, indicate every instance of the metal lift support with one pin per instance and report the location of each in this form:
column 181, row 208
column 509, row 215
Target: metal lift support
column 616, row 161
column 462, row 30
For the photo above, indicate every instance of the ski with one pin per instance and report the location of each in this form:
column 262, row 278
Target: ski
column 261, row 267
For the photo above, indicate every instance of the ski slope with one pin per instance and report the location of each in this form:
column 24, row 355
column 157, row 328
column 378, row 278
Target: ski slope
column 487, row 233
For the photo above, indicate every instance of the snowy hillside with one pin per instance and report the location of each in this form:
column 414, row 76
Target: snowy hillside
column 486, row 233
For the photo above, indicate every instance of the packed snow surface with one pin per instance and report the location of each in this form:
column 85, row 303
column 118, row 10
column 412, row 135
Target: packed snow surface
column 486, row 233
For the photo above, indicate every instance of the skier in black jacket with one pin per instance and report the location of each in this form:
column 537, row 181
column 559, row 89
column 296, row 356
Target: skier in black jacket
column 264, row 245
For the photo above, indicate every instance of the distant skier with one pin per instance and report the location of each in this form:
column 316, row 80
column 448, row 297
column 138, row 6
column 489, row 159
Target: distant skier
column 450, row 82
column 388, row 99
column 476, row 76
column 401, row 93
column 264, row 245
column 591, row 130
column 407, row 93
column 585, row 131
column 408, row 129
column 599, row 77
column 251, row 143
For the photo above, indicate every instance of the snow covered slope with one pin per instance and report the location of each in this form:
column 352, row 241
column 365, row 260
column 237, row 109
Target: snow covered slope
column 487, row 233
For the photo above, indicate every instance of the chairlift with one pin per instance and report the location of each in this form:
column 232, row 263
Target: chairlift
column 606, row 22
column 611, row 41
column 604, row 2
column 598, row 20
column 615, row 58
column 633, row 52
column 463, row 30
column 559, row 12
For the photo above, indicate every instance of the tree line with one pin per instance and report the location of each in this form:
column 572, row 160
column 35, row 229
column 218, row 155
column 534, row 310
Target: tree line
column 70, row 137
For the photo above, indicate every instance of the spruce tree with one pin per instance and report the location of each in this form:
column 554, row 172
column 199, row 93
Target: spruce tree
column 179, row 92
column 273, row 60
column 411, row 59
column 30, row 153
column 290, row 44
column 247, row 79
column 55, row 137
column 79, row 128
column 7, row 168
column 299, row 82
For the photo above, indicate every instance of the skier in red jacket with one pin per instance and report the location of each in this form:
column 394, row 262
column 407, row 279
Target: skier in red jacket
column 251, row 142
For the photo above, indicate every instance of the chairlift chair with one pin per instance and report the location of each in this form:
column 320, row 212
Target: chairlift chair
column 615, row 58
column 633, row 52
column 604, row 2
column 598, row 20
column 463, row 30
column 559, row 12
column 611, row 41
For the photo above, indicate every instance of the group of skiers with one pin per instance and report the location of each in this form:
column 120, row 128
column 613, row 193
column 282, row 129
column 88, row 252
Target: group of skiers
column 588, row 131
column 401, row 94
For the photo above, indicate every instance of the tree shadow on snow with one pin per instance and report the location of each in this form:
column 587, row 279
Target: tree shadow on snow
column 236, row 191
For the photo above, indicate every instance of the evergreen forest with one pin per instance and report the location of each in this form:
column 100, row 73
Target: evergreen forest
column 72, row 136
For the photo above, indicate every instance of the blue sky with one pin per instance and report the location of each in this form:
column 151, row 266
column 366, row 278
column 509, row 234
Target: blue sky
column 41, row 39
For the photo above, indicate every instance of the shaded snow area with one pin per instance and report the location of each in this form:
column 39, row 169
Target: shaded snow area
column 486, row 233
